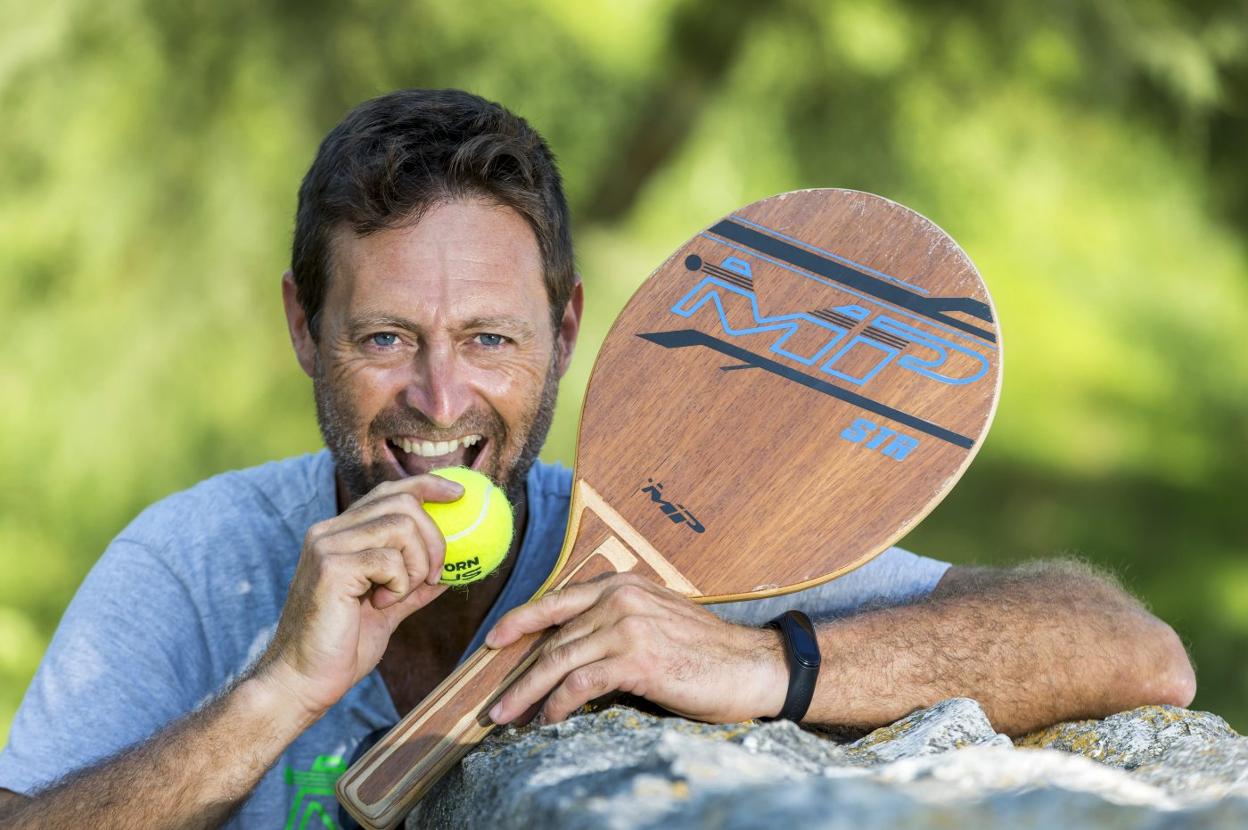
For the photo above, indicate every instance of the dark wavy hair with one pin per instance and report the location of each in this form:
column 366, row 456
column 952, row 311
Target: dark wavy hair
column 394, row 157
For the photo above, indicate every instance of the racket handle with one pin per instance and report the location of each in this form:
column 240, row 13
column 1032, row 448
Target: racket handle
column 391, row 777
column 387, row 781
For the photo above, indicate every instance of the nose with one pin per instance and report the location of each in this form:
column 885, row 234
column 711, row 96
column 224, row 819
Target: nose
column 439, row 388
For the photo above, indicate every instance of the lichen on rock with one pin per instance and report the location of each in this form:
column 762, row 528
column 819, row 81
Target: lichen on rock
column 1132, row 738
column 943, row 766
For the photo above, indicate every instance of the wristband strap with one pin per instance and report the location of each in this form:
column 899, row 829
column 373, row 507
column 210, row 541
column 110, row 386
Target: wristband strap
column 801, row 649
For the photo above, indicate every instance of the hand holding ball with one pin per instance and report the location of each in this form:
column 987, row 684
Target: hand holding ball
column 477, row 527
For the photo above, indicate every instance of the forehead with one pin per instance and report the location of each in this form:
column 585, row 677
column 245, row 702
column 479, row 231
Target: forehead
column 463, row 258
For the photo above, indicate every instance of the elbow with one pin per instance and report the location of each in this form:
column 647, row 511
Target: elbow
column 1171, row 677
column 1158, row 668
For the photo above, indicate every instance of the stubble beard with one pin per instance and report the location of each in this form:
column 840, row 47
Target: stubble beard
column 339, row 425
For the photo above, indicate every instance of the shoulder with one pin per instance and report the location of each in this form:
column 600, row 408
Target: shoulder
column 895, row 577
column 242, row 528
column 277, row 497
column 208, row 568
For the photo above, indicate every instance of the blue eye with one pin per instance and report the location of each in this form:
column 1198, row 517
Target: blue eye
column 384, row 339
column 493, row 341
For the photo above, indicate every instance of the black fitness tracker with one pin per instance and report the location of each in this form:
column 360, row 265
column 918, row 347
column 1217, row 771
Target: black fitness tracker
column 801, row 648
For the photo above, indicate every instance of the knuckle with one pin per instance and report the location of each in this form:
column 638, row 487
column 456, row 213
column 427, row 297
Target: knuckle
column 367, row 558
column 629, row 596
column 377, row 524
column 550, row 602
column 330, row 568
column 400, row 522
column 557, row 654
column 587, row 680
column 317, row 532
column 635, row 629
column 407, row 501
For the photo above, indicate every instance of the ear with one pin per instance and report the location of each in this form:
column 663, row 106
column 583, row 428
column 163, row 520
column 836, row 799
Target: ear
column 297, row 322
column 570, row 325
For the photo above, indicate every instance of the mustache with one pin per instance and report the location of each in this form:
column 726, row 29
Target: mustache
column 411, row 422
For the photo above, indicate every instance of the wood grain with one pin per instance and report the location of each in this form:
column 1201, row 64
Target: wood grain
column 724, row 447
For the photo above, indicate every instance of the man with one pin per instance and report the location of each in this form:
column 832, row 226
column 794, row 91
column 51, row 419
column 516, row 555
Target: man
column 239, row 640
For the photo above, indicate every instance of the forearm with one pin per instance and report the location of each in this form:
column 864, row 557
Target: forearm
column 193, row 773
column 1032, row 648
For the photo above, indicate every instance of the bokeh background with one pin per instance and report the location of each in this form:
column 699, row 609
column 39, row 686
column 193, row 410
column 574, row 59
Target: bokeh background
column 1090, row 156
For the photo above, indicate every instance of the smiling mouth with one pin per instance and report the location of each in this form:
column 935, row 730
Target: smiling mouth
column 415, row 455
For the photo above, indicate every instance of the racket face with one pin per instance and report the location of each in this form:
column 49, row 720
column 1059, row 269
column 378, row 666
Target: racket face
column 792, row 391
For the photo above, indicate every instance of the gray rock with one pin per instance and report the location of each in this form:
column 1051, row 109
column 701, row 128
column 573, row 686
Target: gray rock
column 1200, row 768
column 945, row 766
column 1129, row 739
column 955, row 723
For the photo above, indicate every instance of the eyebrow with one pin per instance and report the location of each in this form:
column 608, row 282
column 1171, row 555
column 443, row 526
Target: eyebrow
column 513, row 325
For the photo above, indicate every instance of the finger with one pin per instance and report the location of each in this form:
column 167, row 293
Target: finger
column 527, row 715
column 399, row 522
column 422, row 543
column 419, row 597
column 580, row 687
column 434, row 547
column 554, row 608
column 372, row 569
column 426, row 562
column 426, row 487
column 408, row 504
column 622, row 596
column 556, row 662
column 582, row 625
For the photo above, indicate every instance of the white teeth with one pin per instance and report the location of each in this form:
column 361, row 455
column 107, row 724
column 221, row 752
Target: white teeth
column 434, row 449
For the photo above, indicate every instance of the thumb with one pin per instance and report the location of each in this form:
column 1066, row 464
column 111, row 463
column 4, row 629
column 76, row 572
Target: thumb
column 422, row 595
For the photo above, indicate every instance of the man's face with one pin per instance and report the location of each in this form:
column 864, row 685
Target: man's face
column 436, row 349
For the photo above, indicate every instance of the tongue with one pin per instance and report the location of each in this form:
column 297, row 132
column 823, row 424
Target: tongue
column 415, row 465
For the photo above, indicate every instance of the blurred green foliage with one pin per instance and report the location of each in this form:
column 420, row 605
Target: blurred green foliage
column 1088, row 155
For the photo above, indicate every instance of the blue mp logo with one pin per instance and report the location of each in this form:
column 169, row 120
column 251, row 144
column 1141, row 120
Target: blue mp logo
column 845, row 345
column 727, row 290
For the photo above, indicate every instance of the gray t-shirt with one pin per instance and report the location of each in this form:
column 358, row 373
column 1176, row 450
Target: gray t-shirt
column 188, row 596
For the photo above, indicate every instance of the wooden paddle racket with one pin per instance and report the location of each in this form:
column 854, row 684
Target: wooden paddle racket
column 786, row 396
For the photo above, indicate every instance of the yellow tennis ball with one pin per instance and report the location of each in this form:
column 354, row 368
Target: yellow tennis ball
column 477, row 527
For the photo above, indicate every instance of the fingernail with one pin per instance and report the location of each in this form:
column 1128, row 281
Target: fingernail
column 496, row 711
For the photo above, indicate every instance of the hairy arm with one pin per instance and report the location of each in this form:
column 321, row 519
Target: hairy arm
column 1034, row 645
column 359, row 575
column 191, row 774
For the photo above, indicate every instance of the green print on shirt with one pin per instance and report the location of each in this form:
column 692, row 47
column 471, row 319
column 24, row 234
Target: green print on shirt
column 317, row 782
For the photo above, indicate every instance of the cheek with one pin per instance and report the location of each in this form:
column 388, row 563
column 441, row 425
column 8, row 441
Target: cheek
column 365, row 385
column 515, row 387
